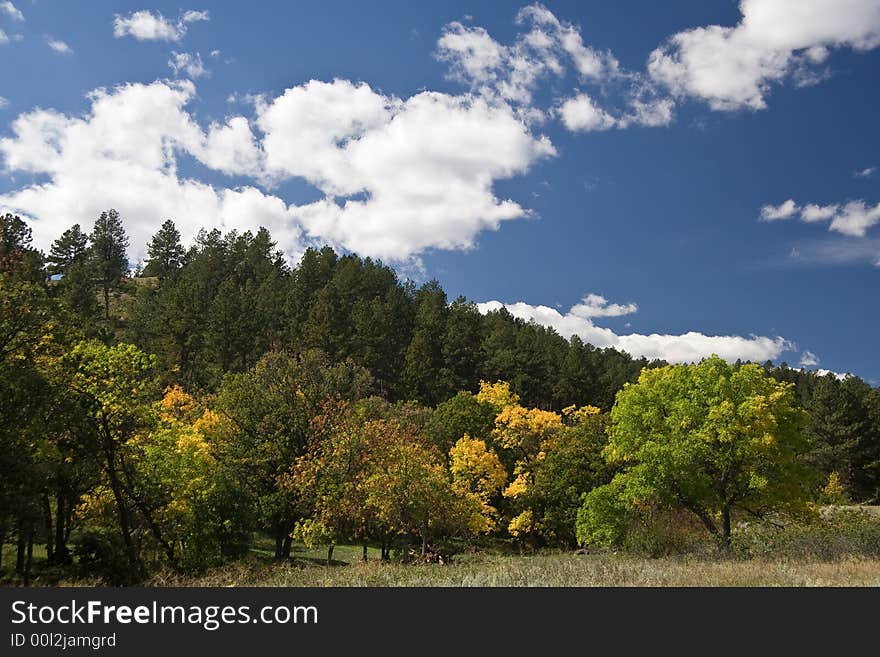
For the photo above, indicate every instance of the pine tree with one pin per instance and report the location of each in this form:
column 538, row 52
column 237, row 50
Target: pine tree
column 165, row 251
column 71, row 247
column 107, row 253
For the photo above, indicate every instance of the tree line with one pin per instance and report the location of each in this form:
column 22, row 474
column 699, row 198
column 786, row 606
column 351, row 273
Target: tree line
column 164, row 416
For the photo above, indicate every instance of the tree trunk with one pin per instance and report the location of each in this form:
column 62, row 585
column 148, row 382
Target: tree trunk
column 107, row 302
column 330, row 555
column 286, row 545
column 29, row 560
column 725, row 528
column 20, row 549
column 279, row 543
column 62, row 554
column 123, row 512
column 47, row 523
column 365, row 550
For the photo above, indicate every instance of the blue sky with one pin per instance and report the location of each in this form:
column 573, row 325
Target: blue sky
column 674, row 179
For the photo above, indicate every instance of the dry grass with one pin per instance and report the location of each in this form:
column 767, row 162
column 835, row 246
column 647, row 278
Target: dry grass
column 546, row 570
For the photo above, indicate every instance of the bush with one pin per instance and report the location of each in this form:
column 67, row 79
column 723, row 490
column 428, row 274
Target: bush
column 657, row 533
column 101, row 554
column 834, row 534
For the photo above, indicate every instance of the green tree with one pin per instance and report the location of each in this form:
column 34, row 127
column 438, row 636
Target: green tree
column 458, row 416
column 116, row 387
column 107, row 254
column 17, row 256
column 165, row 252
column 67, row 250
column 709, row 438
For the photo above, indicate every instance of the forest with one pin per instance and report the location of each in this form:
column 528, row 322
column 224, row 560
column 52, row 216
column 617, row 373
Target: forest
column 172, row 416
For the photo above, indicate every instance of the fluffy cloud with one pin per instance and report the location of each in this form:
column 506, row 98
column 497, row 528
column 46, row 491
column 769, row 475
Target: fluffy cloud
column 734, row 67
column 546, row 47
column 594, row 305
column 785, row 210
column 190, row 64
column 144, row 25
column 11, row 10
column 122, row 155
column 580, row 114
column 688, row 347
column 809, row 359
column 398, row 176
column 59, row 46
column 853, row 219
column 3, row 102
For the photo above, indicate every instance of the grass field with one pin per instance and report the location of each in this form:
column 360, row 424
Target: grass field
column 559, row 569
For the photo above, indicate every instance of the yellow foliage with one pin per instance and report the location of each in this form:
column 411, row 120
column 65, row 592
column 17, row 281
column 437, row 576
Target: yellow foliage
column 527, row 429
column 522, row 524
column 574, row 415
column 498, row 395
column 177, row 404
column 833, row 492
column 518, row 486
column 476, row 467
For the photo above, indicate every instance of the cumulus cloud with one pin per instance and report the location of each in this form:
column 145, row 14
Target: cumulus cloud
column 398, row 176
column 549, row 48
column 580, row 114
column 840, row 376
column 59, row 46
column 144, row 25
column 733, row 68
column 595, row 305
column 189, row 64
column 687, row 347
column 853, row 219
column 11, row 10
column 784, row 210
column 809, row 359
column 121, row 154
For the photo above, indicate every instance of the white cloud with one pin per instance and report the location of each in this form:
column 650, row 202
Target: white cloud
column 688, row 347
column 734, row 68
column 59, row 46
column 144, row 25
column 4, row 38
column 399, row 176
column 594, row 305
column 414, row 174
column 866, row 172
column 545, row 47
column 785, row 210
column 581, row 114
column 189, row 63
column 854, row 218
column 840, row 376
column 812, row 212
column 4, row 102
column 809, row 359
column 122, row 155
column 11, row 10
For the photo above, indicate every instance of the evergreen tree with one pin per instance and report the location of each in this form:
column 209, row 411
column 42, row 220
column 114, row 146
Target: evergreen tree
column 165, row 251
column 107, row 254
column 68, row 249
